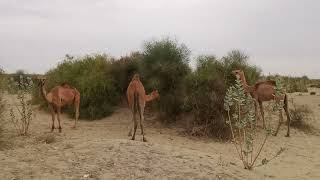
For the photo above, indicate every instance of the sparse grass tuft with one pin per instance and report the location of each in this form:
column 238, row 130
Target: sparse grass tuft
column 24, row 109
column 47, row 138
column 301, row 115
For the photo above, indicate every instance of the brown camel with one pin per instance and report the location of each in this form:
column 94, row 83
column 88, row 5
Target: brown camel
column 264, row 91
column 137, row 99
column 58, row 97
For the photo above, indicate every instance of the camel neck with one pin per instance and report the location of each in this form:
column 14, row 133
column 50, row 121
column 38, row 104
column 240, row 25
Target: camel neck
column 244, row 83
column 43, row 93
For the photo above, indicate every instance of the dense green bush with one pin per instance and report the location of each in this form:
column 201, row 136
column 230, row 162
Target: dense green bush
column 292, row 84
column 205, row 89
column 124, row 68
column 164, row 67
column 236, row 59
column 2, row 104
column 92, row 77
column 314, row 83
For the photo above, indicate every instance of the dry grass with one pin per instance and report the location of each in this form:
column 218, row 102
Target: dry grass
column 47, row 138
column 301, row 117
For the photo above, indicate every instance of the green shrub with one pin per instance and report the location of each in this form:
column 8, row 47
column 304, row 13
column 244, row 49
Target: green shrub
column 92, row 77
column 236, row 59
column 165, row 66
column 2, row 103
column 205, row 89
column 292, row 84
column 241, row 120
column 124, row 68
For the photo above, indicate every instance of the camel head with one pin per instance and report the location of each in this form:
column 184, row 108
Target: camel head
column 41, row 81
column 238, row 73
column 155, row 94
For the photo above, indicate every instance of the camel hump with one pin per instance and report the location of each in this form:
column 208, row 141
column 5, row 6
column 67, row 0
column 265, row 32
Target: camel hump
column 271, row 82
column 66, row 85
column 268, row 82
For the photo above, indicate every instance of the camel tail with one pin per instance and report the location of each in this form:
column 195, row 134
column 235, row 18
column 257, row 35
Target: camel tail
column 136, row 103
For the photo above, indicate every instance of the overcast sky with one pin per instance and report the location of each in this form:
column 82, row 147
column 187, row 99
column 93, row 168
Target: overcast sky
column 280, row 36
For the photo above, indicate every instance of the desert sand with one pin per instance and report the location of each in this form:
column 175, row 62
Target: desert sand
column 101, row 149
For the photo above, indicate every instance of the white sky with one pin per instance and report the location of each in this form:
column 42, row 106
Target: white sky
column 280, row 36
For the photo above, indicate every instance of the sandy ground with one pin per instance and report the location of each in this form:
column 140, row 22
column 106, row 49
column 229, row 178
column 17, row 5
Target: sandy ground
column 101, row 150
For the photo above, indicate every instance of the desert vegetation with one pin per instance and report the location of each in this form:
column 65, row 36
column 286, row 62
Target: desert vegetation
column 2, row 103
column 208, row 94
column 163, row 65
column 293, row 84
column 23, row 108
column 302, row 117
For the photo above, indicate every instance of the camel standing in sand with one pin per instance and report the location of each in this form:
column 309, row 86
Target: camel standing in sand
column 264, row 91
column 58, row 97
column 137, row 99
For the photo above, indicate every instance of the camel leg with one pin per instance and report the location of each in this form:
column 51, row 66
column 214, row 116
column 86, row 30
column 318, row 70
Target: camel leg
column 77, row 106
column 76, row 117
column 280, row 122
column 58, row 115
column 262, row 114
column 135, row 125
column 256, row 111
column 141, row 124
column 288, row 119
column 53, row 117
column 131, row 125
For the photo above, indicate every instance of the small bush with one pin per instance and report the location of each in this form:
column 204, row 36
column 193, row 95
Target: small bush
column 24, row 107
column 300, row 115
column 241, row 119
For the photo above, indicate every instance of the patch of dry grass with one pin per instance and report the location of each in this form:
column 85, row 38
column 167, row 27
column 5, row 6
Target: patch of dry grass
column 46, row 138
column 301, row 117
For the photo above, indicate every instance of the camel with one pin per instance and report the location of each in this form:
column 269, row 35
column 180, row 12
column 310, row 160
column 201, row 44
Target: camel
column 137, row 99
column 261, row 92
column 58, row 97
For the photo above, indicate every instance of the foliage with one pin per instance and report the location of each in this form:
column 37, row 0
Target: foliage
column 241, row 119
column 165, row 66
column 235, row 60
column 205, row 90
column 124, row 68
column 292, row 84
column 300, row 117
column 2, row 103
column 92, row 77
column 24, row 108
